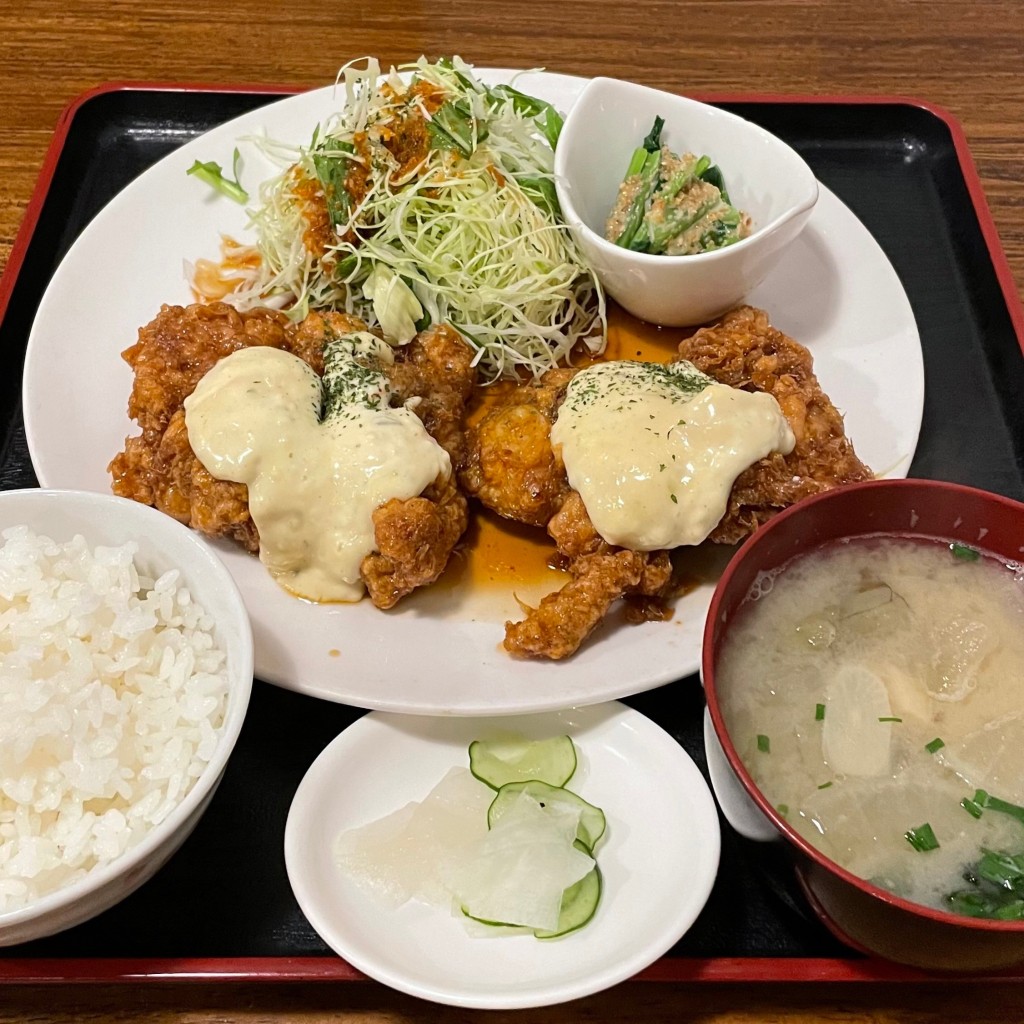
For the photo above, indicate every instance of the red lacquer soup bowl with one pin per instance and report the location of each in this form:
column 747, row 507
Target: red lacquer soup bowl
column 861, row 914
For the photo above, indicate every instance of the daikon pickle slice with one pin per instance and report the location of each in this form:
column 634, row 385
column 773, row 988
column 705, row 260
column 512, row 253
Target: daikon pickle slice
column 854, row 740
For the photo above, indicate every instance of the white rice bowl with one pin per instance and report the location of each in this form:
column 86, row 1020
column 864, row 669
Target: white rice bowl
column 125, row 673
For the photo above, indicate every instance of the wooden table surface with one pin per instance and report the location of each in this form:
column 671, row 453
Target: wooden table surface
column 968, row 58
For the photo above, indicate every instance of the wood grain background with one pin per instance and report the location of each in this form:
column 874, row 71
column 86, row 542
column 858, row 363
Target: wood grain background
column 968, row 58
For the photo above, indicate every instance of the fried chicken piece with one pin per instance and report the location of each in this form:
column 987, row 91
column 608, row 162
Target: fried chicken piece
column 437, row 366
column 744, row 351
column 563, row 620
column 159, row 468
column 415, row 538
column 184, row 488
column 510, row 464
column 171, row 356
column 307, row 338
column 601, row 575
column 513, row 469
column 177, row 348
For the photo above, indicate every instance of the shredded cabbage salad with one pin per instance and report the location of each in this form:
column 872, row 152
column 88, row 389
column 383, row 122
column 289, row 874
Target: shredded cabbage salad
column 428, row 198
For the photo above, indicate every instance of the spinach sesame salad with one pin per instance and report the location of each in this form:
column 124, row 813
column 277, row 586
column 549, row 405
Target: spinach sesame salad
column 671, row 205
column 427, row 198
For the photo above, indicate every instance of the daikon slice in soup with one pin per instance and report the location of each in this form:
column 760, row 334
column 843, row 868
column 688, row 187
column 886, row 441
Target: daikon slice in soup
column 874, row 689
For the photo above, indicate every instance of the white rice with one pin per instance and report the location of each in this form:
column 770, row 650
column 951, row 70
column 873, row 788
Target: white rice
column 112, row 694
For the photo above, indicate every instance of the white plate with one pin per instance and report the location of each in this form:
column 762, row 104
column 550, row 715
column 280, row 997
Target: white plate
column 835, row 291
column 661, row 819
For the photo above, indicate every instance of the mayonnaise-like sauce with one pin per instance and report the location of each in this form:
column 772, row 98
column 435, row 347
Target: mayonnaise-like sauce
column 313, row 486
column 654, row 449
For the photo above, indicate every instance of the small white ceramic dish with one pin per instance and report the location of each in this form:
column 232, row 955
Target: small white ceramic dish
column 658, row 859
column 163, row 544
column 766, row 179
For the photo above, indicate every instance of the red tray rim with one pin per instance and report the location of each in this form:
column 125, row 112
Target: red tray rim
column 113, row 970
column 306, row 969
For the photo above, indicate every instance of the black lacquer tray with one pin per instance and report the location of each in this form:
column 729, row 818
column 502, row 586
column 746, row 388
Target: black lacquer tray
column 223, row 907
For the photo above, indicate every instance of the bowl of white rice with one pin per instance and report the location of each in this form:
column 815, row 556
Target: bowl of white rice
column 126, row 664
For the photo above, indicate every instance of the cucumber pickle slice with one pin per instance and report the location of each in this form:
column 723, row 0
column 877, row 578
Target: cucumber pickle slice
column 499, row 762
column 579, row 904
column 541, row 768
column 592, row 820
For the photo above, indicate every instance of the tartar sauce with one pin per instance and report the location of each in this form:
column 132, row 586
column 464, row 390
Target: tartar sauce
column 654, row 449
column 255, row 419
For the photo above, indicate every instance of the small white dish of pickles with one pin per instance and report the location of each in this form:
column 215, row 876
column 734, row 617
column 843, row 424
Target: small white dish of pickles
column 599, row 799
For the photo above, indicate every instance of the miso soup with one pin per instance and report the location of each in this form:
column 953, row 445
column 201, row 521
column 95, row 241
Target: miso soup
column 875, row 691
